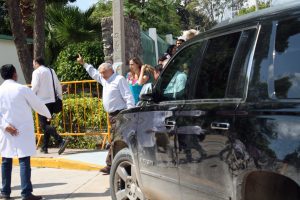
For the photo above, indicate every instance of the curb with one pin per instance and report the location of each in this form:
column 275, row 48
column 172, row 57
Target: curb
column 60, row 163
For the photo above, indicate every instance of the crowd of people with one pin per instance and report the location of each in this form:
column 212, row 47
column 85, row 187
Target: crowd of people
column 17, row 138
column 126, row 91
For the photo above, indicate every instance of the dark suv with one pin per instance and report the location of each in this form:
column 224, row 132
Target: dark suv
column 223, row 119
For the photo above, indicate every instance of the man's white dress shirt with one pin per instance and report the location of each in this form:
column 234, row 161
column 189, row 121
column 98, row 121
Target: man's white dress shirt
column 116, row 92
column 42, row 84
column 16, row 102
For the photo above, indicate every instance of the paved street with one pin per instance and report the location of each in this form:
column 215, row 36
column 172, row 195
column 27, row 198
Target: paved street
column 65, row 184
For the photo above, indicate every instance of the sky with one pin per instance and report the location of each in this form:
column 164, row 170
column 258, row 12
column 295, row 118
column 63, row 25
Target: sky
column 84, row 4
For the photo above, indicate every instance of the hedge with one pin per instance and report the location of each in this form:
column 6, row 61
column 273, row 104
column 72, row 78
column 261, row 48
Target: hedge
column 74, row 109
column 66, row 66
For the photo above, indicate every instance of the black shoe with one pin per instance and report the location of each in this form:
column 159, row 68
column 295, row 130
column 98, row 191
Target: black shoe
column 107, row 146
column 105, row 170
column 63, row 146
column 45, row 151
column 32, row 197
column 5, row 197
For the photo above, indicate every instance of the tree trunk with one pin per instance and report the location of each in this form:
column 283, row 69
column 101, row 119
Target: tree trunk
column 20, row 38
column 39, row 28
column 26, row 7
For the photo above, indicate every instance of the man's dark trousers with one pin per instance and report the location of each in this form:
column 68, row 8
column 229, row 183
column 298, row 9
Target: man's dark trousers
column 48, row 130
column 112, row 120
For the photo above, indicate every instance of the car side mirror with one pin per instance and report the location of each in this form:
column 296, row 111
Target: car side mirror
column 147, row 92
column 147, row 97
column 146, row 89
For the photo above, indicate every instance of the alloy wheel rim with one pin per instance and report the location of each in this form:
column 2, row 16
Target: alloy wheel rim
column 125, row 183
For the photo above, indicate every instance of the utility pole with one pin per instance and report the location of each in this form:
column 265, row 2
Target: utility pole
column 119, row 34
column 256, row 5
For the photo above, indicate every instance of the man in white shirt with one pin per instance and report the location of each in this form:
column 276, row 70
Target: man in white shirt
column 42, row 86
column 116, row 95
column 17, row 130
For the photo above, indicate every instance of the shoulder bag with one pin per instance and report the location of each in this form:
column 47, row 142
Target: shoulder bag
column 57, row 105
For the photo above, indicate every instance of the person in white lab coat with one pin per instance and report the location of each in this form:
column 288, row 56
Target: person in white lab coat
column 17, row 137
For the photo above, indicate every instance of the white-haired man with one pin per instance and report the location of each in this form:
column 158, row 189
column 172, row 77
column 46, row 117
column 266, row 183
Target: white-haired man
column 116, row 95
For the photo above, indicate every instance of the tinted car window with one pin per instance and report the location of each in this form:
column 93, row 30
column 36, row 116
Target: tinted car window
column 215, row 66
column 287, row 58
column 172, row 85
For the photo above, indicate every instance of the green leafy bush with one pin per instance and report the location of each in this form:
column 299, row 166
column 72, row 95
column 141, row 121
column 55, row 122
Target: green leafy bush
column 262, row 5
column 66, row 65
column 81, row 115
column 80, row 142
column 85, row 142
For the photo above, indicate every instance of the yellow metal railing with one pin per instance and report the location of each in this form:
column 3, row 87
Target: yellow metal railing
column 82, row 112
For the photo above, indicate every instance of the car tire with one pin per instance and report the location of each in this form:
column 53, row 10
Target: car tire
column 123, row 180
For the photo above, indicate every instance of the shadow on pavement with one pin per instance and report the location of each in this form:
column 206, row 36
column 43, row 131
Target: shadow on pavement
column 77, row 195
column 42, row 185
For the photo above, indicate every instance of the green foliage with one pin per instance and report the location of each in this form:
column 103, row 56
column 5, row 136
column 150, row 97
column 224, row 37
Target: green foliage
column 160, row 14
column 102, row 9
column 4, row 20
column 85, row 112
column 262, row 5
column 215, row 9
column 85, row 142
column 80, row 142
column 66, row 66
column 244, row 11
column 70, row 25
column 192, row 17
column 82, row 114
column 63, row 2
column 66, row 25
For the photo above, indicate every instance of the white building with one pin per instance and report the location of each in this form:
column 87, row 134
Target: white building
column 8, row 55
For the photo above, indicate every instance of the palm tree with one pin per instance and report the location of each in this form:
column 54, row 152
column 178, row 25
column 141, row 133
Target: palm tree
column 39, row 24
column 27, row 7
column 20, row 17
column 39, row 28
column 66, row 25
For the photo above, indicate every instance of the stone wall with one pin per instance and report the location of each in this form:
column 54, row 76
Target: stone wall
column 107, row 32
column 133, row 45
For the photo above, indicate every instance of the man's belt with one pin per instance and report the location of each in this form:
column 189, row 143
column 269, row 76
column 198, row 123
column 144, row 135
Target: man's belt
column 114, row 113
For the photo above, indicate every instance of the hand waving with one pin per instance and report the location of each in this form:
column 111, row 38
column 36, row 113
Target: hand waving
column 80, row 59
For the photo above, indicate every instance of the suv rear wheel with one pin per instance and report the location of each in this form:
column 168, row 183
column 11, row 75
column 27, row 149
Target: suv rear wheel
column 123, row 181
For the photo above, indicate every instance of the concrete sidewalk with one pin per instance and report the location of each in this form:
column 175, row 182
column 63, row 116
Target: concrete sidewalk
column 73, row 175
column 59, row 184
column 77, row 159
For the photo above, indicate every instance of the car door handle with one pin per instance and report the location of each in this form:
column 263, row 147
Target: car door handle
column 170, row 123
column 190, row 113
column 220, row 125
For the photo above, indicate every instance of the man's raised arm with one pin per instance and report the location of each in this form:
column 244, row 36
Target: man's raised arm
column 94, row 74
